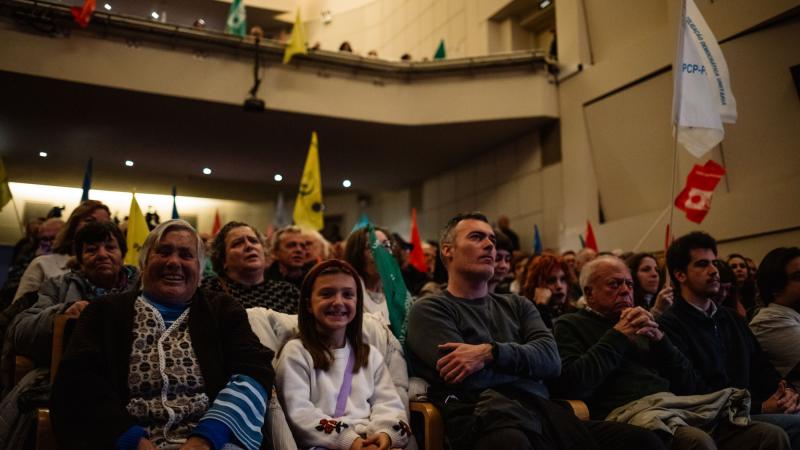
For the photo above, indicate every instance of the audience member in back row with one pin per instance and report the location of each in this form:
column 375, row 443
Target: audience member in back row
column 172, row 365
column 485, row 356
column 237, row 255
column 546, row 285
column 500, row 282
column 100, row 251
column 722, row 350
column 744, row 286
column 55, row 264
column 359, row 255
column 614, row 354
column 649, row 291
column 289, row 252
column 777, row 325
column 41, row 244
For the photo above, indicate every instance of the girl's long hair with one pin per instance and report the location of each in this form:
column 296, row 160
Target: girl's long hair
column 309, row 334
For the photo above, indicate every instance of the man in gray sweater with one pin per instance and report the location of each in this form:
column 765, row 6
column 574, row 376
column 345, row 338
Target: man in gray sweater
column 485, row 356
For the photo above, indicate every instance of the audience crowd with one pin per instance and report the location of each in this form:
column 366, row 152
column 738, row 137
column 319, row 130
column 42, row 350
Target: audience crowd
column 290, row 341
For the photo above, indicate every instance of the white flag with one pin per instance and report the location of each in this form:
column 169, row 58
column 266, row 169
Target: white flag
column 702, row 97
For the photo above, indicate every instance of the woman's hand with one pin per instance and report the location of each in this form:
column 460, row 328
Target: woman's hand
column 378, row 441
column 663, row 302
column 542, row 296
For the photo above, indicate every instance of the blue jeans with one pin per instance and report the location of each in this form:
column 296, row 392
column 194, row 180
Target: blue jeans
column 789, row 422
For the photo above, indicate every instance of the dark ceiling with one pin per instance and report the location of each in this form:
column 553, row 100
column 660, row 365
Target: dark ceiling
column 171, row 140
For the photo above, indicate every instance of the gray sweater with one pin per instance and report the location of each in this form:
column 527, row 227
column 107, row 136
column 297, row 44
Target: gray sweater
column 526, row 352
column 32, row 329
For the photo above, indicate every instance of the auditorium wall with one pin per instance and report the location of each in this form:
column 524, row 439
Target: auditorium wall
column 625, row 50
column 395, row 27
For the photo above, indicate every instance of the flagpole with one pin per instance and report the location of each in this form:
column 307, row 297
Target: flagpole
column 650, row 230
column 677, row 110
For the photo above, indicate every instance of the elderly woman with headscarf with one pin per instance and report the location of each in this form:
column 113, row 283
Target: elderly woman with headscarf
column 100, row 251
column 55, row 264
column 237, row 255
column 170, row 366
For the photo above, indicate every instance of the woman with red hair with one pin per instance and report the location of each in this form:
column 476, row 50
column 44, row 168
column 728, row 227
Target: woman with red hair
column 547, row 284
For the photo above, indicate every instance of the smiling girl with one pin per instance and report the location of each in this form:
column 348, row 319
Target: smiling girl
column 334, row 387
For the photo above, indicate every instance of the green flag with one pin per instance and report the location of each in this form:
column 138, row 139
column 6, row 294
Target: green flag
column 440, row 51
column 398, row 300
column 237, row 19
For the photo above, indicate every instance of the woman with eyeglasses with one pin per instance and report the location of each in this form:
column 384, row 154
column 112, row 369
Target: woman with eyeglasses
column 359, row 255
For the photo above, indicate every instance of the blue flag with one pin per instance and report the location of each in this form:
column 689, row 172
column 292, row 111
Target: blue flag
column 174, row 204
column 537, row 241
column 87, row 181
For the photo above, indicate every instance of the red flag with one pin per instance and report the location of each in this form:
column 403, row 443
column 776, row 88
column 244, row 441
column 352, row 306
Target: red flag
column 695, row 198
column 217, row 224
column 591, row 242
column 84, row 14
column 417, row 257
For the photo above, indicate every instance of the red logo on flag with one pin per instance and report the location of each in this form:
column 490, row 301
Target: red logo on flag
column 695, row 199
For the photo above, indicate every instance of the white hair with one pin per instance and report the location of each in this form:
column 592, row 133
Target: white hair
column 173, row 225
column 589, row 270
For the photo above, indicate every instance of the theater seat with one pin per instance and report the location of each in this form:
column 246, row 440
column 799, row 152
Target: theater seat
column 45, row 439
column 426, row 416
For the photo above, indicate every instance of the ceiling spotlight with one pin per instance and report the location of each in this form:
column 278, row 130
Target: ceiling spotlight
column 154, row 15
column 207, row 171
column 43, row 154
column 129, row 163
column 544, row 4
column 278, row 177
column 107, row 7
column 346, row 183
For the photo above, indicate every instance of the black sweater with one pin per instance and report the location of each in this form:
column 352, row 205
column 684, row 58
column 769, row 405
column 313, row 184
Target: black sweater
column 722, row 350
column 605, row 369
column 91, row 389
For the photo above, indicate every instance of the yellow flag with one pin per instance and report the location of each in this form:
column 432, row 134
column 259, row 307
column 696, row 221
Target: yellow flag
column 137, row 233
column 297, row 41
column 5, row 191
column 308, row 207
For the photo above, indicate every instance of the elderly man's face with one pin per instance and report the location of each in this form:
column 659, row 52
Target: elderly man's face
column 172, row 270
column 292, row 250
column 612, row 289
column 313, row 248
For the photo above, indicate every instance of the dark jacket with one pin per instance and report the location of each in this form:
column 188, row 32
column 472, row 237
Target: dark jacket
column 604, row 368
column 90, row 394
column 722, row 350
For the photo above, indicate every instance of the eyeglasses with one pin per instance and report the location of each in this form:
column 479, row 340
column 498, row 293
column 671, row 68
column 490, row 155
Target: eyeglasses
column 616, row 283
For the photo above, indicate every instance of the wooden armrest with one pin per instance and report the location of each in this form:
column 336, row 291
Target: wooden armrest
column 22, row 365
column 434, row 426
column 45, row 440
column 580, row 409
column 59, row 325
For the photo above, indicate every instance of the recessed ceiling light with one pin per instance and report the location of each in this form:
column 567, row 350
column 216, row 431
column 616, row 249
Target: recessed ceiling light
column 278, row 177
column 207, row 171
column 43, row 154
column 154, row 15
column 544, row 4
column 347, row 183
column 129, row 163
column 107, row 7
